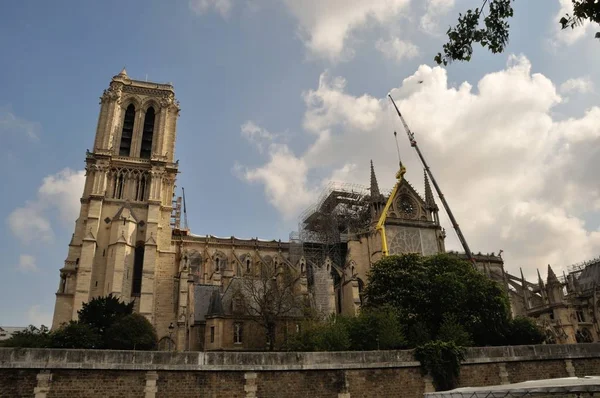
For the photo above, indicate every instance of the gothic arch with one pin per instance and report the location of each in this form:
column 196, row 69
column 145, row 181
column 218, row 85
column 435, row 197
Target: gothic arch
column 219, row 261
column 131, row 100
column 150, row 102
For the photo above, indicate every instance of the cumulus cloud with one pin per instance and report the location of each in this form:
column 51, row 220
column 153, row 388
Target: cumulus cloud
column 27, row 263
column 397, row 49
column 58, row 197
column 285, row 180
column 515, row 178
column 202, row 7
column 581, row 85
column 10, row 124
column 434, row 10
column 326, row 26
column 257, row 135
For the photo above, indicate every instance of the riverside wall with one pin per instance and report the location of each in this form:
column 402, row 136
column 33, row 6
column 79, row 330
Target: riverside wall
column 53, row 373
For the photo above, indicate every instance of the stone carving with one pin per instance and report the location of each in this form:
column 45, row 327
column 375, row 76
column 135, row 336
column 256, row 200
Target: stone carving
column 112, row 93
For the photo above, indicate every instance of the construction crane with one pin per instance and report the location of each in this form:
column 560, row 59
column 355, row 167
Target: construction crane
column 185, row 219
column 413, row 143
column 381, row 223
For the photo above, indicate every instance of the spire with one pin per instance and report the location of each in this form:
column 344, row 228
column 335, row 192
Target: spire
column 123, row 73
column 522, row 277
column 552, row 279
column 540, row 281
column 375, row 194
column 429, row 201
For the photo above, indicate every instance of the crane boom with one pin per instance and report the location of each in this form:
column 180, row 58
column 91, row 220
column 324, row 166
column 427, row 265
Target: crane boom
column 413, row 143
column 381, row 223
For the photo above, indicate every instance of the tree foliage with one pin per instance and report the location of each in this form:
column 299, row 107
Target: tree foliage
column 104, row 323
column 441, row 360
column 524, row 331
column 375, row 329
column 426, row 291
column 32, row 337
column 131, row 332
column 268, row 295
column 76, row 335
column 494, row 32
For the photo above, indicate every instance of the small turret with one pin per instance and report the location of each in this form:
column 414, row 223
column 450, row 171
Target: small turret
column 377, row 199
column 554, row 288
column 429, row 200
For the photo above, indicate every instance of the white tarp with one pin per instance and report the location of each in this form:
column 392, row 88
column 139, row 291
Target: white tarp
column 548, row 387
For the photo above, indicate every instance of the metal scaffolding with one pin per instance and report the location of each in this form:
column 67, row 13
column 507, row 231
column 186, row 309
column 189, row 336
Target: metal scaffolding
column 341, row 211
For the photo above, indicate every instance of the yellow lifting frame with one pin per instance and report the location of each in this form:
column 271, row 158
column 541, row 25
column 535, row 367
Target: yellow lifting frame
column 381, row 223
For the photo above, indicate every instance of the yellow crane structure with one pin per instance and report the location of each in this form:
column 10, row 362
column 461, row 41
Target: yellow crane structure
column 381, row 223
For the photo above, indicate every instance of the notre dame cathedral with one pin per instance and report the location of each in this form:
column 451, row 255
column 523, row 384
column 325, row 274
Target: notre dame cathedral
column 129, row 241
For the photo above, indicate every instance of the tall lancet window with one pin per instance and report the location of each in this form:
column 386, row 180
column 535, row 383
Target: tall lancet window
column 147, row 134
column 138, row 267
column 127, row 132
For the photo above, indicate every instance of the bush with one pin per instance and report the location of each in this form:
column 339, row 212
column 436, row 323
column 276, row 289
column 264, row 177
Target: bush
column 524, row 331
column 376, row 329
column 31, row 337
column 441, row 360
column 131, row 332
column 75, row 335
column 330, row 335
column 453, row 332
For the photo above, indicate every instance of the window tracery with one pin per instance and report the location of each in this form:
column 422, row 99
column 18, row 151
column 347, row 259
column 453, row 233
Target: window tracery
column 127, row 131
column 127, row 183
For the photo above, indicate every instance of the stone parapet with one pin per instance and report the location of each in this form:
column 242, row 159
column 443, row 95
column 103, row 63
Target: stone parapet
column 32, row 358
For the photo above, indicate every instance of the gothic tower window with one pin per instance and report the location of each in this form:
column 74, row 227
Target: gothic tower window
column 138, row 266
column 119, row 186
column 127, row 132
column 147, row 134
column 140, row 194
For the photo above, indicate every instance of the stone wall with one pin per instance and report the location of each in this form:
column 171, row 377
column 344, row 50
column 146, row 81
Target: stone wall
column 88, row 373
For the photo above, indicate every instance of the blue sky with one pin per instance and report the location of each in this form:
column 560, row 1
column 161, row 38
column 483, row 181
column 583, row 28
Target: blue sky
column 280, row 97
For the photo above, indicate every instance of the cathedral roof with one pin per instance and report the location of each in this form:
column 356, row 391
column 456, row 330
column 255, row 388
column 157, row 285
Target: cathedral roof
column 202, row 300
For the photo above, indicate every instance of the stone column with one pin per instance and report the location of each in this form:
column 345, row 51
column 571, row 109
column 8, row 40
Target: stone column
column 570, row 368
column 43, row 384
column 151, row 389
column 250, row 387
column 503, row 373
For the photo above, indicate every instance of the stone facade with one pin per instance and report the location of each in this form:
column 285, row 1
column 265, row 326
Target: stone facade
column 128, row 240
column 566, row 307
column 81, row 373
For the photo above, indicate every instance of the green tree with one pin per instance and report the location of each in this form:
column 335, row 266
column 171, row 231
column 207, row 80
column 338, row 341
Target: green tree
column 31, row 337
column 131, row 332
column 329, row 335
column 424, row 291
column 441, row 360
column 524, row 331
column 494, row 32
column 101, row 313
column 75, row 335
column 375, row 329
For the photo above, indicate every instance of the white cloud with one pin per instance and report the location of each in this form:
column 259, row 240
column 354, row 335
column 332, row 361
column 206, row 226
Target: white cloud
column 285, row 179
column 202, row 7
column 37, row 317
column 568, row 36
column 257, row 135
column 435, row 9
column 516, row 179
column 58, row 195
column 12, row 124
column 27, row 263
column 578, row 85
column 326, row 26
column 397, row 49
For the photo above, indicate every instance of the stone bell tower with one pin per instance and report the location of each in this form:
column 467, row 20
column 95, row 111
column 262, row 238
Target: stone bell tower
column 123, row 229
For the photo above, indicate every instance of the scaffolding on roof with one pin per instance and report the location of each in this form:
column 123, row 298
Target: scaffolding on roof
column 342, row 209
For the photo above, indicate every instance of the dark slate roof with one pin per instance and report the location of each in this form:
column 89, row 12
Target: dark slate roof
column 216, row 306
column 202, row 300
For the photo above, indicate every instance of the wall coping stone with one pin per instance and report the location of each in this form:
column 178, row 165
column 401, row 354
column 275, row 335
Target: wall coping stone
column 43, row 358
